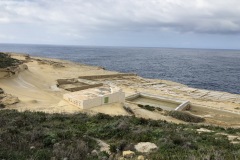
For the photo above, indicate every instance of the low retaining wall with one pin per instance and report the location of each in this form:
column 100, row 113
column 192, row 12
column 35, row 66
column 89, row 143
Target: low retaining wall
column 86, row 84
column 65, row 81
column 107, row 76
column 182, row 104
column 74, row 89
column 218, row 108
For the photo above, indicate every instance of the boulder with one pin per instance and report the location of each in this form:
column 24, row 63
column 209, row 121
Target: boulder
column 128, row 154
column 23, row 67
column 141, row 157
column 32, row 147
column 145, row 147
column 94, row 153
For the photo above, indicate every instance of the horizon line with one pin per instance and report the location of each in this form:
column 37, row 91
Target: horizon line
column 79, row 45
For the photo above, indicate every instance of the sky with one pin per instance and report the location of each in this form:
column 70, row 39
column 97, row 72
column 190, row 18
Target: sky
column 142, row 23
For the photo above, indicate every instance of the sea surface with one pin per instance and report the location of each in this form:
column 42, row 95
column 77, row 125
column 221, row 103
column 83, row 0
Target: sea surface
column 200, row 68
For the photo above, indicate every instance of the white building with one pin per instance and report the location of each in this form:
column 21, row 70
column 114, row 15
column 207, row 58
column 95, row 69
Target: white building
column 93, row 97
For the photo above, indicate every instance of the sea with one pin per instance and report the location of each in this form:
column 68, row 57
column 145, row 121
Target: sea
column 212, row 69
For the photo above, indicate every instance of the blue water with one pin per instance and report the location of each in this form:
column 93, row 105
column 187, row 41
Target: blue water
column 199, row 68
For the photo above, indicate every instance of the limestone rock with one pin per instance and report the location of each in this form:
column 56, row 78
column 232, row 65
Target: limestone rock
column 27, row 56
column 2, row 96
column 1, row 91
column 9, row 100
column 141, row 157
column 58, row 65
column 145, row 147
column 23, row 67
column 94, row 153
column 32, row 147
column 128, row 154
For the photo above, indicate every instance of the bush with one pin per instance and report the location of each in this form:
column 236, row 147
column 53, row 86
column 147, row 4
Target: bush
column 101, row 116
column 187, row 117
column 113, row 148
column 150, row 108
column 74, row 150
column 7, row 61
column 128, row 109
column 2, row 106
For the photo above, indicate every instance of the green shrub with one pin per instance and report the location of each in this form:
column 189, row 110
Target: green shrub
column 150, row 108
column 49, row 140
column 7, row 61
column 147, row 107
column 101, row 116
column 128, row 109
column 42, row 154
column 74, row 150
column 187, row 117
column 2, row 106
column 113, row 148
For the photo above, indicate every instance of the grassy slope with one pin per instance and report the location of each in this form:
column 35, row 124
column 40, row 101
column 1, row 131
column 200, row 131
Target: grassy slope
column 36, row 135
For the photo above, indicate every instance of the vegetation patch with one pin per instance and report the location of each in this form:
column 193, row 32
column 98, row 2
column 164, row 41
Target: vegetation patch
column 1, row 97
column 1, row 91
column 7, row 61
column 2, row 105
column 187, row 117
column 37, row 135
column 128, row 109
column 150, row 108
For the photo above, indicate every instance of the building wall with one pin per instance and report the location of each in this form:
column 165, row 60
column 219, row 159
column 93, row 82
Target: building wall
column 73, row 101
column 98, row 101
column 115, row 97
column 92, row 103
column 89, row 103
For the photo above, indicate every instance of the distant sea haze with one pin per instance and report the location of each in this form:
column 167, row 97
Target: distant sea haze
column 199, row 68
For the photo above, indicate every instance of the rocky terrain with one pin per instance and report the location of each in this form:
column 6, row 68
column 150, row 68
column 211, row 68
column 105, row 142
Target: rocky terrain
column 7, row 99
column 10, row 66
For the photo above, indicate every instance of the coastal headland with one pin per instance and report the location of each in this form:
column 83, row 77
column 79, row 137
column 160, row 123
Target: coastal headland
column 35, row 86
